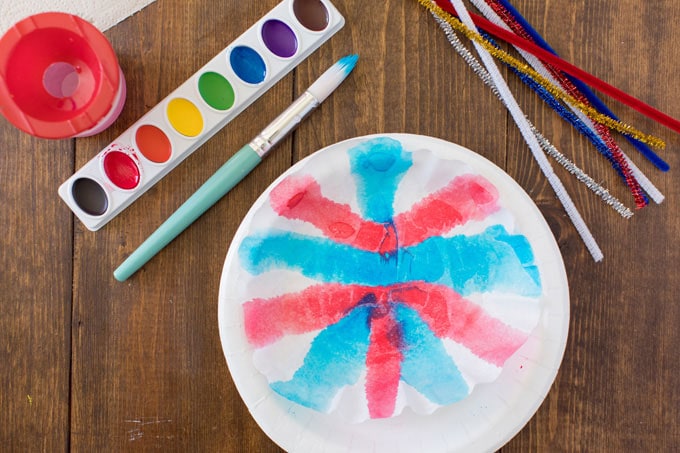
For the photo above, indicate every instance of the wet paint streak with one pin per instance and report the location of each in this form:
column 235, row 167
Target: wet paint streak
column 492, row 260
column 317, row 258
column 383, row 363
column 480, row 263
column 378, row 166
column 449, row 315
column 445, row 312
column 268, row 320
column 466, row 198
column 335, row 359
column 300, row 198
column 426, row 366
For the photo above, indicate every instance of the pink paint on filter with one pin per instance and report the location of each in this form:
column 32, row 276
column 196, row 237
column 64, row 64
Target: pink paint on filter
column 447, row 314
column 383, row 363
column 300, row 198
column 465, row 198
column 451, row 316
column 267, row 320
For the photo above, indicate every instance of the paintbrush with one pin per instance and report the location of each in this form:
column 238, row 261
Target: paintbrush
column 237, row 167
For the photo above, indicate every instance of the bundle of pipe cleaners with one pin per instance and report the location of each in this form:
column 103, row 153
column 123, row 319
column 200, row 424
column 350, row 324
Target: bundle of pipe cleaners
column 565, row 88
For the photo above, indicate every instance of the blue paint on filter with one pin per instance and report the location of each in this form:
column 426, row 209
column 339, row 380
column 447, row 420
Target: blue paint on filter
column 378, row 166
column 336, row 359
column 491, row 260
column 426, row 366
column 318, row 258
column 247, row 64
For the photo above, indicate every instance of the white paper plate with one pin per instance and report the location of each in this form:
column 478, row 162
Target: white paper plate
column 484, row 421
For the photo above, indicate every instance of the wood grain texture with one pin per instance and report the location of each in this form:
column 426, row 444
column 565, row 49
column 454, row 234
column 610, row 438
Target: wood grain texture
column 36, row 240
column 90, row 364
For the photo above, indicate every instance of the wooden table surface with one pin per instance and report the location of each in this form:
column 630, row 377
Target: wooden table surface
column 91, row 364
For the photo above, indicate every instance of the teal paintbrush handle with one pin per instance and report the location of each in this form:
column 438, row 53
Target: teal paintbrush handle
column 226, row 177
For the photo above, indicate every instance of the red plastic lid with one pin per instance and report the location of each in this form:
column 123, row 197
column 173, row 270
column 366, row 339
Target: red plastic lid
column 59, row 75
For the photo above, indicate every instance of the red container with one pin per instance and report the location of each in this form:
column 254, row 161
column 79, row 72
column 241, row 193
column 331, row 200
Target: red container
column 59, row 77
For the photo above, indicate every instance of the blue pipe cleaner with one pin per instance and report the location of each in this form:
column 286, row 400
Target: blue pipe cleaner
column 587, row 92
column 569, row 116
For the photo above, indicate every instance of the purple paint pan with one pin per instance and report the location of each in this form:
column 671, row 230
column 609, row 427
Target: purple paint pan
column 279, row 38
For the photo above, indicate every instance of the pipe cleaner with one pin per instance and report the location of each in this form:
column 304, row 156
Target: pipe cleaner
column 565, row 66
column 555, row 91
column 583, row 88
column 599, row 135
column 539, row 66
column 548, row 147
column 530, row 138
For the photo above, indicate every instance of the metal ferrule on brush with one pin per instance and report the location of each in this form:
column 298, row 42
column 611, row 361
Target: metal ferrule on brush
column 284, row 123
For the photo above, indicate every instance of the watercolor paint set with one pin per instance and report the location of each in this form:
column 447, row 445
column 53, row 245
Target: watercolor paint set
column 168, row 133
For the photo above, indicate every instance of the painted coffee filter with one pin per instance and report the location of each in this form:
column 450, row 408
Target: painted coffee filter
column 268, row 265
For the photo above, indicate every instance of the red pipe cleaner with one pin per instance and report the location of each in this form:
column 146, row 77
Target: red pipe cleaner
column 604, row 132
column 569, row 68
